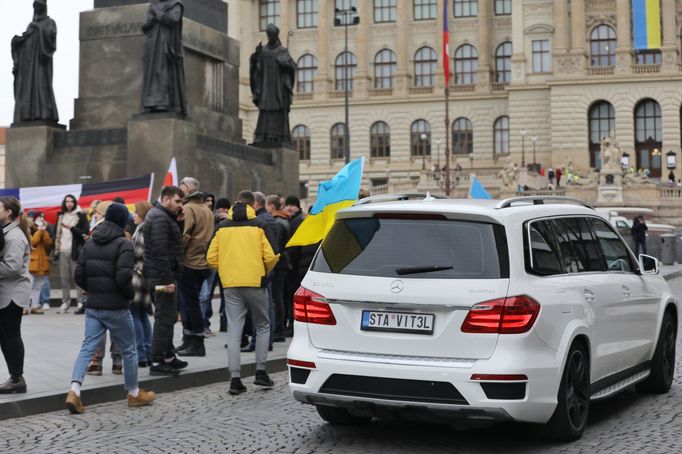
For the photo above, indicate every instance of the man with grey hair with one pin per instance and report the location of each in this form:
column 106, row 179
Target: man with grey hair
column 197, row 233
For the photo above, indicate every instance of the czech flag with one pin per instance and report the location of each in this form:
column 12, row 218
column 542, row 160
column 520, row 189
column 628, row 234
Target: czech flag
column 646, row 24
column 476, row 189
column 48, row 199
column 332, row 195
column 446, row 45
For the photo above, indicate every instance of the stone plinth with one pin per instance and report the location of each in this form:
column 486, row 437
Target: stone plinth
column 26, row 155
column 610, row 194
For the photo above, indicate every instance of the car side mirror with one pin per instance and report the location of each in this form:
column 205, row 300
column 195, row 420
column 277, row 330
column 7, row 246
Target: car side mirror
column 648, row 264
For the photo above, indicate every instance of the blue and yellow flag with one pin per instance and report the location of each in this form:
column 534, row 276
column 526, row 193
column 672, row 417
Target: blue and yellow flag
column 646, row 24
column 332, row 195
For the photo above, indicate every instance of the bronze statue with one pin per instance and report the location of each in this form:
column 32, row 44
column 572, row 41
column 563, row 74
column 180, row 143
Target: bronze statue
column 272, row 74
column 32, row 55
column 163, row 85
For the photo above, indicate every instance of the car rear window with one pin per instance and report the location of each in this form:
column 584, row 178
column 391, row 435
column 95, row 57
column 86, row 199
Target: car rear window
column 414, row 248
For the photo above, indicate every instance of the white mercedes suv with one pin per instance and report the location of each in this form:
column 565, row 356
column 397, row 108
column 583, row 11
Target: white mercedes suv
column 524, row 309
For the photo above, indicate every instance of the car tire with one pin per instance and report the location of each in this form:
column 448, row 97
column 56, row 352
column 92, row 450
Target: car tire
column 573, row 400
column 663, row 364
column 339, row 416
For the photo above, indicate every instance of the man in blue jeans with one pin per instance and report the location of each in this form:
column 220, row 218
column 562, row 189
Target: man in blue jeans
column 105, row 271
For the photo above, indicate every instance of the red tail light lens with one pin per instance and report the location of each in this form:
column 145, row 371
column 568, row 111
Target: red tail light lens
column 511, row 315
column 310, row 307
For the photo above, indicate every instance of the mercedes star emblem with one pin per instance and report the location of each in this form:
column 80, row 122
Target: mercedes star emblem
column 397, row 286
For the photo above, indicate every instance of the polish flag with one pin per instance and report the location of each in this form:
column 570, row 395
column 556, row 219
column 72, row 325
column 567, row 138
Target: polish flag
column 172, row 175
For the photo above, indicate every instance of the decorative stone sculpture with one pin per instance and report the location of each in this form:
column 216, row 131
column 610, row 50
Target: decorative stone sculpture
column 32, row 56
column 163, row 85
column 272, row 74
column 509, row 174
column 611, row 154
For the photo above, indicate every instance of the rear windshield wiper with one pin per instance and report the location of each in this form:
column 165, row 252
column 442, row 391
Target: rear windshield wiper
column 421, row 269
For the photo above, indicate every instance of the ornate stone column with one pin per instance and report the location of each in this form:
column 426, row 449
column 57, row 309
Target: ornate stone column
column 669, row 48
column 578, row 56
column 403, row 11
column 322, row 81
column 623, row 37
column 363, row 76
column 484, row 9
column 284, row 26
column 518, row 59
column 560, row 29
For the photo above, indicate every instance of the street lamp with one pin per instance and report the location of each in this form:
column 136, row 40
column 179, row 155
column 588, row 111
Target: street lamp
column 534, row 139
column 523, row 148
column 424, row 144
column 350, row 17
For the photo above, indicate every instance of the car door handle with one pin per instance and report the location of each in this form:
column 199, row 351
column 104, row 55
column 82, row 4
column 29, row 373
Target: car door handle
column 589, row 297
column 626, row 290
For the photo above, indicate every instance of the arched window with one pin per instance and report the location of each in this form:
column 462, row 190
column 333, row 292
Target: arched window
column 648, row 136
column 503, row 55
column 425, row 61
column 466, row 64
column 380, row 140
column 385, row 63
column 462, row 136
column 338, row 141
column 301, row 138
column 269, row 13
column 305, row 73
column 602, row 120
column 420, row 138
column 603, row 46
column 345, row 67
column 501, row 135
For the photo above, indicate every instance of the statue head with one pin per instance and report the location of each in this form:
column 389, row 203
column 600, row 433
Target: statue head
column 40, row 7
column 273, row 33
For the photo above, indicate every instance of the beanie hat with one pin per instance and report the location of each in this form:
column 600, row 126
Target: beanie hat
column 293, row 200
column 222, row 203
column 118, row 214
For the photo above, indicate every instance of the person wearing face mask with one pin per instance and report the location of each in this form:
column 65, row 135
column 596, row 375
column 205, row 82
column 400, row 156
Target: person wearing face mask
column 72, row 229
column 15, row 290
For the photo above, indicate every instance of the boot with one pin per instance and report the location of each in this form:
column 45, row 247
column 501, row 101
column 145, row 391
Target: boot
column 15, row 385
column 143, row 398
column 186, row 341
column 196, row 347
column 74, row 404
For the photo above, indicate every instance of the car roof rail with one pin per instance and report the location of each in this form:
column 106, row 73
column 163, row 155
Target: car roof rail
column 398, row 197
column 541, row 200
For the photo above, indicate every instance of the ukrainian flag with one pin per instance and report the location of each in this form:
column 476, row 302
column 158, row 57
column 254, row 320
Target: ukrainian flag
column 477, row 190
column 333, row 195
column 646, row 24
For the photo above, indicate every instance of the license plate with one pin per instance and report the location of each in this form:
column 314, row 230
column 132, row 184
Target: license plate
column 397, row 322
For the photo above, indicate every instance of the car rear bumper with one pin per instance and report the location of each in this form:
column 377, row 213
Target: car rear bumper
column 536, row 403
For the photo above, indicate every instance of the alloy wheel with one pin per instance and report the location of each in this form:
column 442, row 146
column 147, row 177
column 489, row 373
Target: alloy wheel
column 577, row 390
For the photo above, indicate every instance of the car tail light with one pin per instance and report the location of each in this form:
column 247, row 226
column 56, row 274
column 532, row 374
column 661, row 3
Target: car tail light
column 510, row 315
column 310, row 307
column 299, row 363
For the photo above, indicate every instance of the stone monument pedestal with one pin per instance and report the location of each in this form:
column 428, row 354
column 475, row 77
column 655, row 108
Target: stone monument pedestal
column 26, row 155
column 610, row 189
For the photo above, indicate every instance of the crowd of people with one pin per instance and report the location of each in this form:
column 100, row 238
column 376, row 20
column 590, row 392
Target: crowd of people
column 162, row 261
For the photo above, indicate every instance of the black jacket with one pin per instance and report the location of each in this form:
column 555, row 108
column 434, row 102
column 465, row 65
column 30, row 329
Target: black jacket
column 638, row 231
column 163, row 250
column 105, row 268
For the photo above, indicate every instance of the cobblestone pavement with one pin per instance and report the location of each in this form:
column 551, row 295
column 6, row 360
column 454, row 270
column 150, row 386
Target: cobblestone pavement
column 208, row 420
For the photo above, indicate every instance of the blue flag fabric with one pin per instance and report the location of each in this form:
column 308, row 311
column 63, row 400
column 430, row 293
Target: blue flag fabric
column 477, row 191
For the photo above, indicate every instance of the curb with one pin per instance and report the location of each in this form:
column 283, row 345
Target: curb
column 111, row 393
column 672, row 275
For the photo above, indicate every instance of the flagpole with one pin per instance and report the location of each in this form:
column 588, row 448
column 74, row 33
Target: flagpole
column 447, row 141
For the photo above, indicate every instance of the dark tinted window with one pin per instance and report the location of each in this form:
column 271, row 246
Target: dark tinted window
column 390, row 247
column 580, row 250
column 545, row 258
column 613, row 248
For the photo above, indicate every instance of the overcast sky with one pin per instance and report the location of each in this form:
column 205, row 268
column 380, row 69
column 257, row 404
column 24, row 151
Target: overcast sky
column 14, row 19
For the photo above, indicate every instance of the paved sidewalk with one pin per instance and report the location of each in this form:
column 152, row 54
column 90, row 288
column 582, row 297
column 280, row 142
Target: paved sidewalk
column 52, row 343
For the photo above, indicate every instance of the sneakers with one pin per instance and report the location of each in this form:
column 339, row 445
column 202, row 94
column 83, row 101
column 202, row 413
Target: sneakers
column 143, row 398
column 142, row 364
column 236, row 387
column 195, row 347
column 262, row 379
column 37, row 310
column 79, row 311
column 163, row 369
column 95, row 369
column 46, row 307
column 117, row 369
column 176, row 363
column 186, row 342
column 63, row 309
column 208, row 332
column 74, row 404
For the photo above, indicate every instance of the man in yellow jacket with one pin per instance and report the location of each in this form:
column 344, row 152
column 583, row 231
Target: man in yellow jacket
column 243, row 256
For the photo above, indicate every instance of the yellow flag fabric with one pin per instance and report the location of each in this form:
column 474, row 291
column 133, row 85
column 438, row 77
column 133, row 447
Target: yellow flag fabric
column 316, row 226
